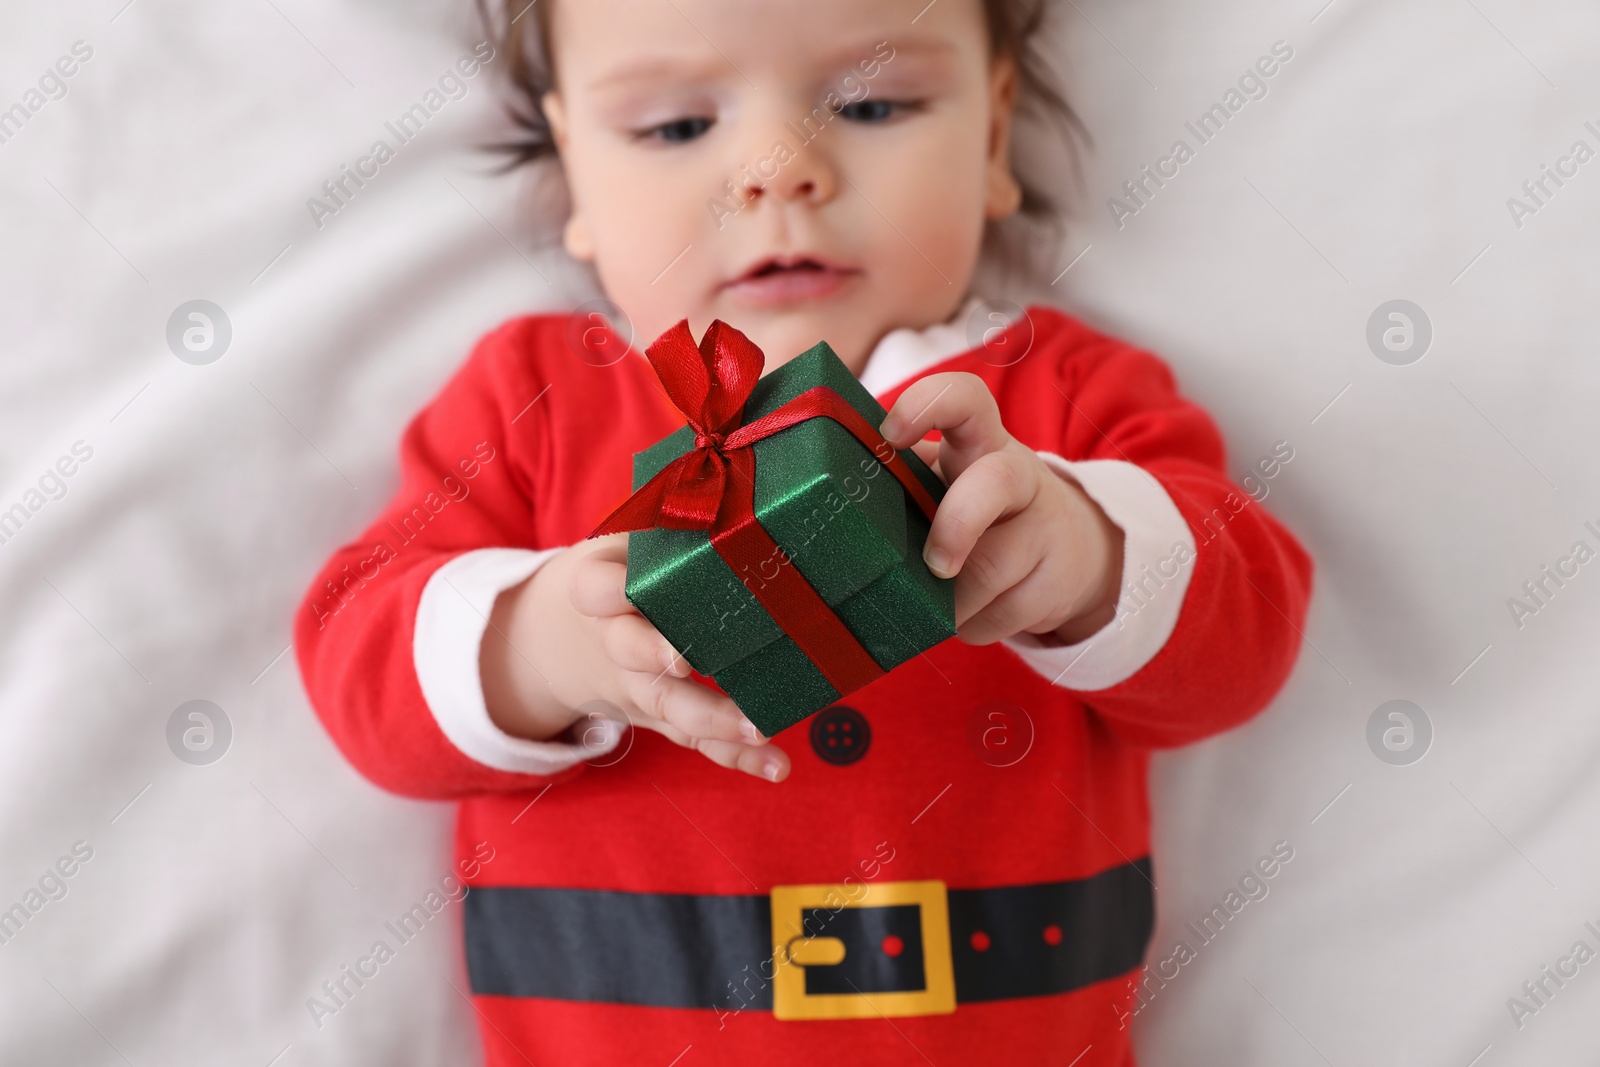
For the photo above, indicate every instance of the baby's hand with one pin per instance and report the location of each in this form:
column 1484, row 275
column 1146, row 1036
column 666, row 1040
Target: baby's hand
column 573, row 637
column 1030, row 551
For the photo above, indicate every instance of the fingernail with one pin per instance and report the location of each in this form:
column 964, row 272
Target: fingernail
column 749, row 730
column 770, row 770
column 938, row 561
column 891, row 427
column 668, row 660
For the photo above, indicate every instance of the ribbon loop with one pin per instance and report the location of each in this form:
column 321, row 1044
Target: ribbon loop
column 711, row 381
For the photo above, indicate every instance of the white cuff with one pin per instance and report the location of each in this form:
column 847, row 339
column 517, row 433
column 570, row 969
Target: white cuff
column 452, row 617
column 1157, row 552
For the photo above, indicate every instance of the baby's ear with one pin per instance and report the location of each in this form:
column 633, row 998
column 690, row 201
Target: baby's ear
column 575, row 237
column 576, row 240
column 556, row 115
column 1003, row 195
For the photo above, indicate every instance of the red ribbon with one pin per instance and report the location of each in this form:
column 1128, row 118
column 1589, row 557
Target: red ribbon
column 713, row 487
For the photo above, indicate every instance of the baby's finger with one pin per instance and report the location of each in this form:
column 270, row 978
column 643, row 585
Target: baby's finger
column 665, row 729
column 1019, row 607
column 1006, row 554
column 635, row 645
column 612, row 547
column 695, row 709
column 958, row 405
column 768, row 761
column 997, row 486
column 597, row 587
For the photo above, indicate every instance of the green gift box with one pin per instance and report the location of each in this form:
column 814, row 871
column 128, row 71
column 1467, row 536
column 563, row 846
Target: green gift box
column 841, row 518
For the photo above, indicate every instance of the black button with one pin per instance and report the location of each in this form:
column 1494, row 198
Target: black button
column 840, row 735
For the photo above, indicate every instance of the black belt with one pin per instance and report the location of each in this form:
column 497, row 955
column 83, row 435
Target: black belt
column 879, row 947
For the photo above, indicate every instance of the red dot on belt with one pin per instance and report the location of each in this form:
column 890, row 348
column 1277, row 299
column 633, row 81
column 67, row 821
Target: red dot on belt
column 893, row 946
column 1052, row 934
column 980, row 941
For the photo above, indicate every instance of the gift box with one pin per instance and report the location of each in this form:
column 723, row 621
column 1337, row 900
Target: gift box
column 777, row 538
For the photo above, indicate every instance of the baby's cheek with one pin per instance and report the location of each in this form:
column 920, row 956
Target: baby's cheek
column 937, row 213
column 652, row 252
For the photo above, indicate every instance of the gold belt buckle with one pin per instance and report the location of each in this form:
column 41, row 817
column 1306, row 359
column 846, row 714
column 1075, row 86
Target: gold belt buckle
column 794, row 948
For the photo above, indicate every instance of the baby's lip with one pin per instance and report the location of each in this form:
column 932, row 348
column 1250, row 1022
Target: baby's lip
column 800, row 261
column 786, row 279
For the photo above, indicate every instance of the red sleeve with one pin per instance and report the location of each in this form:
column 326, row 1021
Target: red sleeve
column 461, row 488
column 1239, row 630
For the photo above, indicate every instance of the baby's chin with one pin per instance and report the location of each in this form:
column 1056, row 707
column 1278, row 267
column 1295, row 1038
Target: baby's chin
column 785, row 332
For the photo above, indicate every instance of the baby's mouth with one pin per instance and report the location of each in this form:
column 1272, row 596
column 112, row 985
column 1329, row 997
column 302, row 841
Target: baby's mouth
column 782, row 280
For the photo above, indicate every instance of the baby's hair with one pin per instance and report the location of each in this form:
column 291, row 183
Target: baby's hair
column 1014, row 31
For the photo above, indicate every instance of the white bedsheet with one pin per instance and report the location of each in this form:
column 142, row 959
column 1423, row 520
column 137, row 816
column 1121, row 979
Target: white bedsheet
column 219, row 897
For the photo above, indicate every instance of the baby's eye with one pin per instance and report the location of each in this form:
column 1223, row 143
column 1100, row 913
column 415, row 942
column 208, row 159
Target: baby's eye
column 871, row 110
column 678, row 131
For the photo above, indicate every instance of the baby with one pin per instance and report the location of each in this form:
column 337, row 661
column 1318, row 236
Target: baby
column 951, row 865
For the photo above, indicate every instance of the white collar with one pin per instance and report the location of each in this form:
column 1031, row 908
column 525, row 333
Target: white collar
column 905, row 352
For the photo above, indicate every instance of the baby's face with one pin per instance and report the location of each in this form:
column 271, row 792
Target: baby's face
column 875, row 138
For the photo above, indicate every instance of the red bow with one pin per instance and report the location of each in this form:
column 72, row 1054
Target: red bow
column 713, row 487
